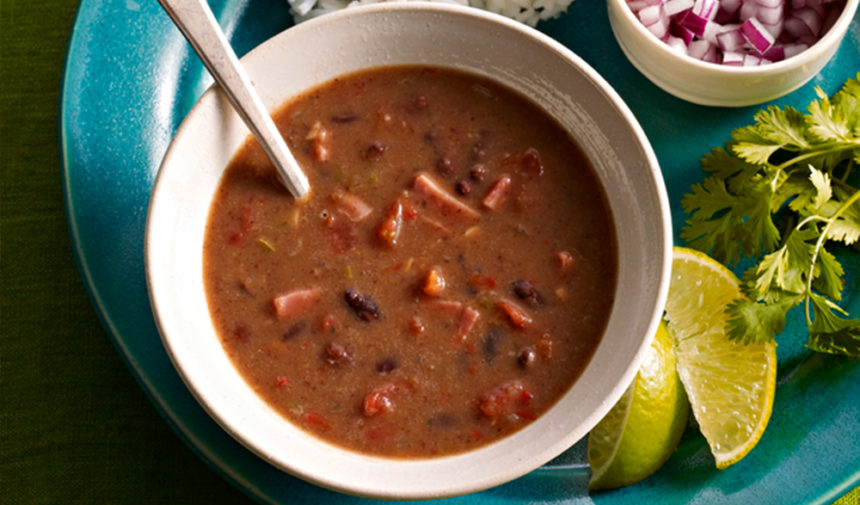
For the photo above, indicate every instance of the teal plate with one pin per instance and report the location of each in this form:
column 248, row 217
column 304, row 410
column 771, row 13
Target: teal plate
column 129, row 81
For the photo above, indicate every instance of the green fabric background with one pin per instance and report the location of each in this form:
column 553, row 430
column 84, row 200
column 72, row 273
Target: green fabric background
column 74, row 425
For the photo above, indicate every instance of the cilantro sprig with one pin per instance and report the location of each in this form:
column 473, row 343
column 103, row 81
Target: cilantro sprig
column 782, row 191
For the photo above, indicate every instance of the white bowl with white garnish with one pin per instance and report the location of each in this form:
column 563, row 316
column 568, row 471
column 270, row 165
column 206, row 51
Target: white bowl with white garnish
column 728, row 53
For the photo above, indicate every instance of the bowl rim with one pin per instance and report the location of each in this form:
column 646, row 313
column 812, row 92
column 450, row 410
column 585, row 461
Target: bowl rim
column 832, row 38
column 514, row 470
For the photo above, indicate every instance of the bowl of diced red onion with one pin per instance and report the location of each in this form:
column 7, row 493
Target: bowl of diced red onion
column 730, row 52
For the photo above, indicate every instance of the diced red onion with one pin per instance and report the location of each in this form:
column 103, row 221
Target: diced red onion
column 731, row 40
column 757, row 35
column 694, row 22
column 738, row 32
column 794, row 49
column 676, row 43
column 730, row 6
column 698, row 48
column 706, row 8
column 651, row 14
column 660, row 28
column 769, row 15
column 775, row 53
column 733, row 58
column 672, row 7
column 751, row 60
column 810, row 17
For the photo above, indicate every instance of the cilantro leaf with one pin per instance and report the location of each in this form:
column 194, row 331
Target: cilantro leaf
column 751, row 321
column 830, row 333
column 777, row 193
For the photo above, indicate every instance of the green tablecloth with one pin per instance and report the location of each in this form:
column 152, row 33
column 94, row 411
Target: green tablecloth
column 74, row 425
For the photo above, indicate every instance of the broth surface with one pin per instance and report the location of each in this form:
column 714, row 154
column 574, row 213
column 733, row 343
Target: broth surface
column 447, row 281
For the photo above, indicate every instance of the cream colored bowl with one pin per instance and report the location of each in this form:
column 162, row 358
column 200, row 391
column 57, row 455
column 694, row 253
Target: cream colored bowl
column 711, row 84
column 388, row 34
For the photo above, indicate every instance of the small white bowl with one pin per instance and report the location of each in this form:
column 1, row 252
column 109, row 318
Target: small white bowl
column 711, row 84
column 389, row 34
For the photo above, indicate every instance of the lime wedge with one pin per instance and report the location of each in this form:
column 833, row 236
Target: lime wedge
column 730, row 385
column 643, row 429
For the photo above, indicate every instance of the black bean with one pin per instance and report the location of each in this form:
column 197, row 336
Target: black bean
column 491, row 344
column 362, row 305
column 463, row 187
column 443, row 420
column 445, row 166
column 344, row 118
column 337, row 354
column 525, row 290
column 295, row 330
column 478, row 172
column 387, row 365
column 526, row 357
column 375, row 150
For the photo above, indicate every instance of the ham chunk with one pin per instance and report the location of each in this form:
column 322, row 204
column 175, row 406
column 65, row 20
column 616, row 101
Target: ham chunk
column 352, row 206
column 517, row 316
column 468, row 319
column 295, row 302
column 425, row 186
column 496, row 196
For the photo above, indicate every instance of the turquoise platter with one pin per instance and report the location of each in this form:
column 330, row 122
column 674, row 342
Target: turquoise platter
column 129, row 81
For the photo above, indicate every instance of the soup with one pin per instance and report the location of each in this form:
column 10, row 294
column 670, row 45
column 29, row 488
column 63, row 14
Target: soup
column 447, row 281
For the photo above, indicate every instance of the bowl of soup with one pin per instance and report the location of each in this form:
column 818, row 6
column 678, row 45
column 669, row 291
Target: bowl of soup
column 471, row 284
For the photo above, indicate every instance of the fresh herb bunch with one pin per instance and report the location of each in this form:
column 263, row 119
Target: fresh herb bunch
column 781, row 190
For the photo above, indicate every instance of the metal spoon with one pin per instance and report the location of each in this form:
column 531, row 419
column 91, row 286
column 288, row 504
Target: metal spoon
column 197, row 23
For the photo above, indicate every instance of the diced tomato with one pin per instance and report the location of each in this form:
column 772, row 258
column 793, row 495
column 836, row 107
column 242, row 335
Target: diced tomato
column 517, row 315
column 389, row 229
column 434, row 283
column 409, row 210
column 501, row 399
column 379, row 400
column 416, row 326
column 526, row 414
column 317, row 422
column 247, row 218
column 329, row 323
column 481, row 281
column 282, row 382
column 294, row 302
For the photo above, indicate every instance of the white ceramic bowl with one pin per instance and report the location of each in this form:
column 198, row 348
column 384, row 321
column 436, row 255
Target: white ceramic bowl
column 387, row 34
column 711, row 84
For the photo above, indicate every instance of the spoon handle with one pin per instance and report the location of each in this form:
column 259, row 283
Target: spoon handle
column 199, row 26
